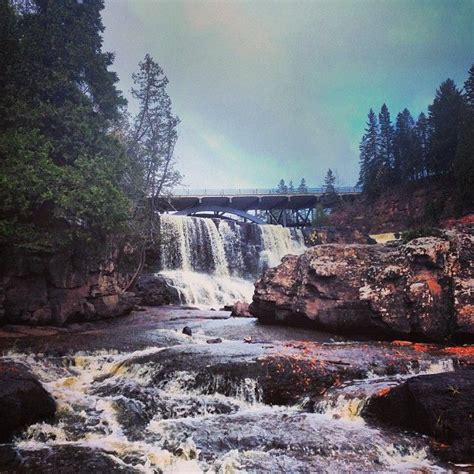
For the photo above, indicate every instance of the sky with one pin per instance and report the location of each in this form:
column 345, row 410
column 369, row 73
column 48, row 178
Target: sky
column 281, row 89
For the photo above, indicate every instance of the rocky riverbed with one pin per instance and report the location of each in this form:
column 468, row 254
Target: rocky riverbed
column 136, row 394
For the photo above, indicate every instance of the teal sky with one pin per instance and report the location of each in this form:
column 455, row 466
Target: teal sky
column 272, row 89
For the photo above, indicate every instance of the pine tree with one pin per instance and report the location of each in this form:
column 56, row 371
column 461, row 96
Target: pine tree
column 302, row 188
column 282, row 187
column 464, row 162
column 423, row 137
column 291, row 188
column 369, row 157
column 385, row 145
column 330, row 197
column 405, row 147
column 152, row 135
column 445, row 116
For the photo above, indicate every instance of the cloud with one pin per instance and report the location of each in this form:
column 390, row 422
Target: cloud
column 270, row 89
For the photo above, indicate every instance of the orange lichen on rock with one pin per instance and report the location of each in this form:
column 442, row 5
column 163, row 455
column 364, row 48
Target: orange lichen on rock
column 402, row 343
column 383, row 391
column 467, row 351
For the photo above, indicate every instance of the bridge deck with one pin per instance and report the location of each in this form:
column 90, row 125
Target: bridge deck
column 247, row 199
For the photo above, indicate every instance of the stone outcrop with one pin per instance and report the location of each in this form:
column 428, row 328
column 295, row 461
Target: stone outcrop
column 440, row 405
column 45, row 289
column 422, row 289
column 155, row 290
column 23, row 400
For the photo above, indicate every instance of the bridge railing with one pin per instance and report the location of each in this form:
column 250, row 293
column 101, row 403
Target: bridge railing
column 259, row 191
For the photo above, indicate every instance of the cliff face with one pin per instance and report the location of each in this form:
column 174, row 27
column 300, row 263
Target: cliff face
column 397, row 210
column 422, row 289
column 45, row 289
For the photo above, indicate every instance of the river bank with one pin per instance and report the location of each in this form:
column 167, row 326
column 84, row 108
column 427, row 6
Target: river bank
column 135, row 394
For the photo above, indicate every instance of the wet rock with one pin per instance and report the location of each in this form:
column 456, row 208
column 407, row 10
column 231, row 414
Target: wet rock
column 440, row 405
column 215, row 340
column 188, row 331
column 64, row 459
column 241, row 310
column 277, row 374
column 23, row 400
column 155, row 290
column 420, row 290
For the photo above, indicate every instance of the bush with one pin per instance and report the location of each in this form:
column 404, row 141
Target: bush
column 419, row 232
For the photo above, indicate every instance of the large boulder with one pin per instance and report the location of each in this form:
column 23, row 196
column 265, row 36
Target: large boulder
column 440, row 405
column 155, row 290
column 23, row 400
column 421, row 289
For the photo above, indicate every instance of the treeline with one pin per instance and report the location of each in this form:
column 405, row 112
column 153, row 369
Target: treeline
column 439, row 146
column 283, row 188
column 75, row 167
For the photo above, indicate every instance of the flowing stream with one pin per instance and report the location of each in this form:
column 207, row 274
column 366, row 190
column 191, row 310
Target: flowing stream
column 214, row 262
column 140, row 417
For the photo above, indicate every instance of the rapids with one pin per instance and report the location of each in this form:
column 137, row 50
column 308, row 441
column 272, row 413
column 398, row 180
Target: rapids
column 171, row 407
column 214, row 262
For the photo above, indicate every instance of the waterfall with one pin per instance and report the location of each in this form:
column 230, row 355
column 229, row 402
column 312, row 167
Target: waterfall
column 214, row 262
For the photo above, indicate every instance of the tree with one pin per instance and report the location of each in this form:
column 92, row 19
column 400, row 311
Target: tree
column 330, row 197
column 291, row 188
column 302, row 188
column 464, row 161
column 151, row 138
column 370, row 169
column 61, row 167
column 385, row 143
column 282, row 187
column 320, row 218
column 423, row 138
column 329, row 182
column 406, row 149
column 445, row 116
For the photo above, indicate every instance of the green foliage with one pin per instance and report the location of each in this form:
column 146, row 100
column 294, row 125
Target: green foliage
column 61, row 168
column 320, row 218
column 330, row 197
column 433, row 211
column 440, row 145
column 419, row 232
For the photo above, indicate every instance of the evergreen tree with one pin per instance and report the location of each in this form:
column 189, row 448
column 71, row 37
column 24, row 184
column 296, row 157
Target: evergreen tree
column 330, row 197
column 60, row 165
column 282, row 187
column 445, row 115
column 291, row 188
column 369, row 158
column 464, row 161
column 302, row 188
column 386, row 156
column 405, row 148
column 152, row 134
column 423, row 137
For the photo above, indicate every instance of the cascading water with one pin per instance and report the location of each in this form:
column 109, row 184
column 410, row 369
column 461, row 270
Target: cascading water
column 214, row 262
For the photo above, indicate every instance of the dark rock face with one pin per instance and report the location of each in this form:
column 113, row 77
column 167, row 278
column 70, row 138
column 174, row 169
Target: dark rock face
column 422, row 289
column 155, row 290
column 440, row 405
column 45, row 289
column 23, row 400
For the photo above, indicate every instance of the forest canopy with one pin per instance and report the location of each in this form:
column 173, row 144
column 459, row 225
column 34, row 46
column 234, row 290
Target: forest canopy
column 75, row 168
column 411, row 151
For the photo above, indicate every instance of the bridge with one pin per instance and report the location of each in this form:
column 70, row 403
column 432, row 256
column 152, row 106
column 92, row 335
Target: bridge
column 290, row 209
